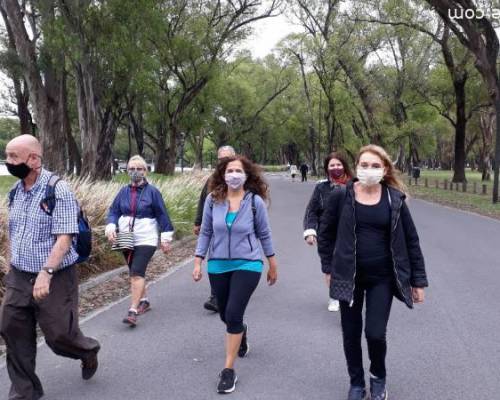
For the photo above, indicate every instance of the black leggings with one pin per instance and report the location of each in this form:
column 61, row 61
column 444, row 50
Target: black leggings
column 139, row 259
column 233, row 290
column 379, row 294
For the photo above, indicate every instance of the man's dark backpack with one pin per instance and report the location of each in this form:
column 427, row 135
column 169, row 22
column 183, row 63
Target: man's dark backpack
column 83, row 240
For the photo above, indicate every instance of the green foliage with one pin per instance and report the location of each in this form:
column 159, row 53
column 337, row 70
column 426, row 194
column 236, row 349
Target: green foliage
column 9, row 128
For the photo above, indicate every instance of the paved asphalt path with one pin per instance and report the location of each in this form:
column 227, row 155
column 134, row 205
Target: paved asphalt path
column 446, row 349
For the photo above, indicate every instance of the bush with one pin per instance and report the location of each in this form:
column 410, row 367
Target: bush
column 181, row 194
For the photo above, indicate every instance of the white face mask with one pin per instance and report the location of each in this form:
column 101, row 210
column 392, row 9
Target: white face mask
column 370, row 176
column 235, row 180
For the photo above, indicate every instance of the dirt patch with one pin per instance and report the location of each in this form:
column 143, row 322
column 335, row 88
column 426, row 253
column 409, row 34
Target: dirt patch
column 118, row 286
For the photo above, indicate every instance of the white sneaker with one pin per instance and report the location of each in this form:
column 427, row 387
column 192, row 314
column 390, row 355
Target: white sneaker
column 333, row 305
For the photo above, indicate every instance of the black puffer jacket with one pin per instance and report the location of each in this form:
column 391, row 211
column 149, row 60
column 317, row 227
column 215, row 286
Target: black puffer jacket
column 337, row 245
column 315, row 207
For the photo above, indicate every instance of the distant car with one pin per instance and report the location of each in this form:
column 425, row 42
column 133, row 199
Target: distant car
column 122, row 167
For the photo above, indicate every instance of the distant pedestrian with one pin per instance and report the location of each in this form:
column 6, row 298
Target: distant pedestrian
column 234, row 221
column 338, row 173
column 304, row 169
column 368, row 239
column 138, row 210
column 223, row 152
column 293, row 172
column 41, row 286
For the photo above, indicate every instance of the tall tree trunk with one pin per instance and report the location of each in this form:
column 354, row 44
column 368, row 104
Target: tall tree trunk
column 20, row 87
column 97, row 127
column 138, row 128
column 161, row 166
column 364, row 92
column 330, row 125
column 197, row 144
column 461, row 121
column 74, row 160
column 22, row 101
column 312, row 131
column 496, row 167
column 44, row 92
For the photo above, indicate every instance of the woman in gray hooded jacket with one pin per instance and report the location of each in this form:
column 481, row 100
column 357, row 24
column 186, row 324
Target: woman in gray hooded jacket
column 234, row 221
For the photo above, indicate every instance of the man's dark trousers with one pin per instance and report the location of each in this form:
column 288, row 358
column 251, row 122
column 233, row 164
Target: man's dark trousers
column 57, row 316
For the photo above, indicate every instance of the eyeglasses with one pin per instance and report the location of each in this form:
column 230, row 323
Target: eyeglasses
column 132, row 169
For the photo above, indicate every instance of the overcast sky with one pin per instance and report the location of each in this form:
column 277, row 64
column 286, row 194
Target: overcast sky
column 267, row 33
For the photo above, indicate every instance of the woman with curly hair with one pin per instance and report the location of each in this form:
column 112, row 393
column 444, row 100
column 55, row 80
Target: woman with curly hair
column 338, row 173
column 234, row 219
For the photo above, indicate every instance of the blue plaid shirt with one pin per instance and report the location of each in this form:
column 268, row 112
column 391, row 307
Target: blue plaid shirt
column 33, row 233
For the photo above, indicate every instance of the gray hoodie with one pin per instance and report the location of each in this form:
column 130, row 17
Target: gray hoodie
column 240, row 242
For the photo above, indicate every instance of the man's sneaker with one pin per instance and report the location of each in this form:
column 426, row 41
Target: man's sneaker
column 356, row 393
column 144, row 306
column 227, row 382
column 333, row 305
column 89, row 365
column 244, row 347
column 131, row 318
column 377, row 389
column 211, row 304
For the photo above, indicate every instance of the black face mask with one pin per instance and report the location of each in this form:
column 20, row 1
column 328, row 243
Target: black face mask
column 20, row 171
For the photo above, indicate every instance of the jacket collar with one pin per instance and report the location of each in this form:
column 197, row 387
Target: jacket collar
column 141, row 186
column 396, row 197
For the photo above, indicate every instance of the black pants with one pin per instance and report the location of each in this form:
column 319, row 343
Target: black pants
column 233, row 291
column 379, row 294
column 139, row 259
column 304, row 176
column 57, row 316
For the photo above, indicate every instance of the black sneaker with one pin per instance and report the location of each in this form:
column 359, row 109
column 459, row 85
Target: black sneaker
column 89, row 365
column 356, row 393
column 244, row 347
column 377, row 389
column 130, row 319
column 211, row 304
column 227, row 382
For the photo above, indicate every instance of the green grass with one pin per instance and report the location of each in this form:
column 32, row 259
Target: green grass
column 481, row 204
column 6, row 183
column 472, row 176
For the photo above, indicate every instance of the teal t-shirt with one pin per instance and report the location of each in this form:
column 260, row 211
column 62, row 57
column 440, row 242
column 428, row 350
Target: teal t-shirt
column 222, row 266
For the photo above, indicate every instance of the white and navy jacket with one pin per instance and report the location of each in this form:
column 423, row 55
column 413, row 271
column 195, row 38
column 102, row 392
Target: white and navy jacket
column 151, row 215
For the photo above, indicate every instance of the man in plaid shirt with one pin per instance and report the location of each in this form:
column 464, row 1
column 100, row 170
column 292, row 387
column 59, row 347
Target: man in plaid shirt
column 41, row 284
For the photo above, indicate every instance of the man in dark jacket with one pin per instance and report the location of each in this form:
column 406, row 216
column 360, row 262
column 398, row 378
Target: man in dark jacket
column 304, row 169
column 223, row 152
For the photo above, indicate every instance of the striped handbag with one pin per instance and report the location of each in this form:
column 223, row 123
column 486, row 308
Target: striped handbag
column 125, row 240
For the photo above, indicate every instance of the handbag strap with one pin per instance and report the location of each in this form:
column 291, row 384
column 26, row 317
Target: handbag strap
column 131, row 226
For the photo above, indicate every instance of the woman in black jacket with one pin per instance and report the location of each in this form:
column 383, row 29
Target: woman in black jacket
column 369, row 243
column 338, row 174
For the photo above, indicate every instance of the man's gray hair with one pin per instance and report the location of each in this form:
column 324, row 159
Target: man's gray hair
column 227, row 148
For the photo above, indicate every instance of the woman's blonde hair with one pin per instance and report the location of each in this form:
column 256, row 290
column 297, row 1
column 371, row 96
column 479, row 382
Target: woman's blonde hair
column 140, row 160
column 392, row 176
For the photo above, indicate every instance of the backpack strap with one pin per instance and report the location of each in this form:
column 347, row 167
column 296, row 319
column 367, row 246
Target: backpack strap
column 12, row 194
column 254, row 212
column 48, row 203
